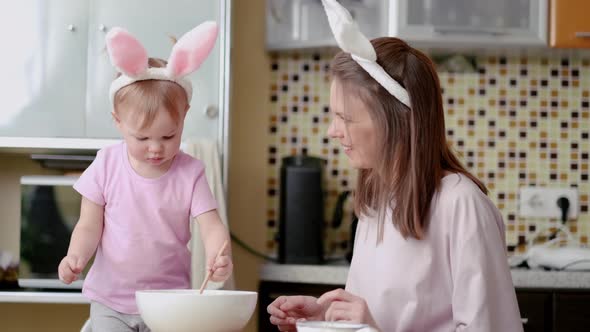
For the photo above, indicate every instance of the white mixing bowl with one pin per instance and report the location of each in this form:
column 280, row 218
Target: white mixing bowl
column 186, row 310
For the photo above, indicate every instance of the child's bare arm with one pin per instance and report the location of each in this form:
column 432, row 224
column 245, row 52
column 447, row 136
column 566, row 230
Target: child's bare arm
column 84, row 241
column 214, row 234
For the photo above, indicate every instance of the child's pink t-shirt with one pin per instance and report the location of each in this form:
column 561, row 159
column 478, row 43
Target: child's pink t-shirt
column 146, row 226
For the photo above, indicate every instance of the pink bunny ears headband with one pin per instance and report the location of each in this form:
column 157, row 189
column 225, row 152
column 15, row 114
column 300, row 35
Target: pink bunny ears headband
column 130, row 58
column 351, row 40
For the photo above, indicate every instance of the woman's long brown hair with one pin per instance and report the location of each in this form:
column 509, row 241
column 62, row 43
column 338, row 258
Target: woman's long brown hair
column 415, row 153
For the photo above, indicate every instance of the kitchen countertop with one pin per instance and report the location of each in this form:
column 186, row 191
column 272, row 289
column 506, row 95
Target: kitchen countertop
column 329, row 275
column 17, row 295
column 337, row 274
column 43, row 297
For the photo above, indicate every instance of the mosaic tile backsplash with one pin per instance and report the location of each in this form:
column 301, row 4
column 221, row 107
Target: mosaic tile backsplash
column 513, row 121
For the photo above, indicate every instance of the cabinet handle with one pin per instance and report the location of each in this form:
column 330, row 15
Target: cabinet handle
column 583, row 34
column 102, row 28
column 524, row 321
column 469, row 30
column 211, row 111
column 71, row 27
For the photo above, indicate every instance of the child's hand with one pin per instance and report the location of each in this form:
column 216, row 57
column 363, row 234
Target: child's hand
column 69, row 269
column 221, row 268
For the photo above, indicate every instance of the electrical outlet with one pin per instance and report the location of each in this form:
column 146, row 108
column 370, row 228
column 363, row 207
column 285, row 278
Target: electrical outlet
column 542, row 202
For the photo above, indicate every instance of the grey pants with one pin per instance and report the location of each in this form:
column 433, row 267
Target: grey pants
column 105, row 319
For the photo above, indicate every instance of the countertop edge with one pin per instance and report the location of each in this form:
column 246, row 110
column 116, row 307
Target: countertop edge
column 43, row 297
column 337, row 275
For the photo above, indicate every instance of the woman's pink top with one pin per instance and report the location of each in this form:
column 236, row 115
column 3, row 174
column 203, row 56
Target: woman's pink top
column 456, row 279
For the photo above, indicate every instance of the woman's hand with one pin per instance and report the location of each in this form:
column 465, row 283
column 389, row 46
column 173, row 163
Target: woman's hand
column 286, row 310
column 343, row 306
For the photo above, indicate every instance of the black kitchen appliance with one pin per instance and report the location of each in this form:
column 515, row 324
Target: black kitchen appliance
column 50, row 208
column 337, row 218
column 301, row 214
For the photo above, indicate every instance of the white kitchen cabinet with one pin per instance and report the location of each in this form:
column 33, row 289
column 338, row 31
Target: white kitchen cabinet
column 471, row 23
column 445, row 24
column 57, row 74
column 292, row 24
column 43, row 61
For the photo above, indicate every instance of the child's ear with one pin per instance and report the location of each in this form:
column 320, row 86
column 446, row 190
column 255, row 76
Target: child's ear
column 116, row 118
column 186, row 108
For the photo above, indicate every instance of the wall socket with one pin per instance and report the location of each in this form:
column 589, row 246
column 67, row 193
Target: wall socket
column 542, row 202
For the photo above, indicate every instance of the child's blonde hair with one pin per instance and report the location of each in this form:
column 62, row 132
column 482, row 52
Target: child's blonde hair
column 145, row 98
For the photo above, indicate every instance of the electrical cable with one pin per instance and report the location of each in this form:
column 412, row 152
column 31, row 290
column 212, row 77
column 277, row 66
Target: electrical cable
column 272, row 259
column 579, row 261
column 251, row 250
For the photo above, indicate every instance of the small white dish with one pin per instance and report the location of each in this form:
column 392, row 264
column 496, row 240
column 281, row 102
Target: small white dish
column 324, row 326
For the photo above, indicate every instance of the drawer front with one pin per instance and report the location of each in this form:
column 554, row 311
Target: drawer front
column 535, row 310
column 572, row 312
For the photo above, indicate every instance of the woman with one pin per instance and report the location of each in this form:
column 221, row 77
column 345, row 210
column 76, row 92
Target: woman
column 429, row 250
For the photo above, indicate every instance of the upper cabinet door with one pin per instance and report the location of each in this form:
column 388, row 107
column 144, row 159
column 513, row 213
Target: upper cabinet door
column 43, row 63
column 292, row 24
column 570, row 25
column 470, row 22
column 155, row 24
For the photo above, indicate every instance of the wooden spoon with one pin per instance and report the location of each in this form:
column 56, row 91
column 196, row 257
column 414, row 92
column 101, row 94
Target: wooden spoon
column 204, row 284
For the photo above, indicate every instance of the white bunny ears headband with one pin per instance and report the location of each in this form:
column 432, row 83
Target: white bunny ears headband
column 130, row 58
column 351, row 40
